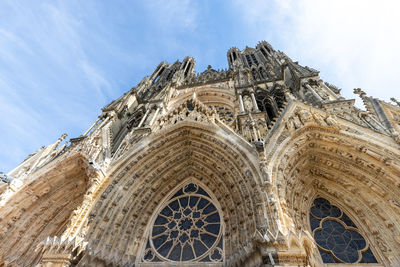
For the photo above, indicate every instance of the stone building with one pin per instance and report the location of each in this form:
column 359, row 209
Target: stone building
column 261, row 164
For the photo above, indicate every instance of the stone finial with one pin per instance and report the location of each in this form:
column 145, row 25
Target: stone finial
column 359, row 92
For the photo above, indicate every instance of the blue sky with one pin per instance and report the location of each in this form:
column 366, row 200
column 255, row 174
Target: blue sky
column 61, row 61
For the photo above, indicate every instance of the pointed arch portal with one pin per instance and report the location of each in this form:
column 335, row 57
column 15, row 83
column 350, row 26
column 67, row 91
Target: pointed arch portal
column 140, row 189
column 318, row 166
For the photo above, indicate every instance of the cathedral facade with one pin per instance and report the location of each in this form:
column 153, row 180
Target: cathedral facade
column 261, row 164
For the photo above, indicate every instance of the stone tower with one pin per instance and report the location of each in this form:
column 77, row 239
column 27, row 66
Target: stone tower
column 261, row 164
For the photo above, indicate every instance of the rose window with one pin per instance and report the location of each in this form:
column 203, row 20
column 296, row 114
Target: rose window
column 188, row 228
column 337, row 237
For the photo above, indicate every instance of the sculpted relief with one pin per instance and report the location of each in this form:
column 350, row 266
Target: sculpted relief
column 261, row 164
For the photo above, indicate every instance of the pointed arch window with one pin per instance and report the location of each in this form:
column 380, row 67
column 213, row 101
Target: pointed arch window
column 264, row 53
column 337, row 237
column 234, row 56
column 158, row 75
column 249, row 60
column 265, row 103
column 186, row 229
column 253, row 57
column 188, row 68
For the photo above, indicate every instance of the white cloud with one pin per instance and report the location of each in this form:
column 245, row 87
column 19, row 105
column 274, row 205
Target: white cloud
column 99, row 83
column 39, row 48
column 353, row 43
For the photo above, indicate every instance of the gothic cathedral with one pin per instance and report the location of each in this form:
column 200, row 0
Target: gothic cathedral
column 261, row 164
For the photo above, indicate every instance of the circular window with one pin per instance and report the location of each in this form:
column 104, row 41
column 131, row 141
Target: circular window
column 188, row 228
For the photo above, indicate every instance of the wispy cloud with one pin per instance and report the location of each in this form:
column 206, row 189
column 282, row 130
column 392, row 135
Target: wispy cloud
column 352, row 43
column 39, row 48
column 61, row 61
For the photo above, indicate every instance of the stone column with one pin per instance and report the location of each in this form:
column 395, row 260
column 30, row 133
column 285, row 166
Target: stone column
column 253, row 98
column 154, row 116
column 241, row 104
column 104, row 122
column 327, row 89
column 91, row 127
column 313, row 91
column 144, row 118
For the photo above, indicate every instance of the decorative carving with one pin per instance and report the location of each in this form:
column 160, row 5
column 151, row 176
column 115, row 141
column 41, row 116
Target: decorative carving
column 267, row 137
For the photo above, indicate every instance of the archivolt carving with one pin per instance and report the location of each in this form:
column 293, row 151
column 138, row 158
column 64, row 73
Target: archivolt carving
column 44, row 205
column 144, row 178
column 352, row 171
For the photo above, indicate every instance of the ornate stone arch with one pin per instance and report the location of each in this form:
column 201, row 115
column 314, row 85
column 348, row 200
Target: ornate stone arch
column 341, row 165
column 266, row 103
column 144, row 176
column 41, row 208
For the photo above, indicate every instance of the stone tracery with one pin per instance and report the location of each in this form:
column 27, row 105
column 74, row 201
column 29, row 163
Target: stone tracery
column 337, row 236
column 188, row 228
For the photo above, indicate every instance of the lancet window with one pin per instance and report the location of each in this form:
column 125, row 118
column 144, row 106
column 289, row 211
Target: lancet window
column 159, row 75
column 170, row 75
column 234, row 56
column 337, row 237
column 253, row 57
column 264, row 53
column 188, row 67
column 186, row 229
column 266, row 103
column 249, row 60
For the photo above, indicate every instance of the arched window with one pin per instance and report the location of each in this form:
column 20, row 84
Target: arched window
column 253, row 57
column 266, row 48
column 186, row 229
column 189, row 65
column 265, row 103
column 337, row 237
column 170, row 75
column 249, row 60
column 159, row 75
column 264, row 53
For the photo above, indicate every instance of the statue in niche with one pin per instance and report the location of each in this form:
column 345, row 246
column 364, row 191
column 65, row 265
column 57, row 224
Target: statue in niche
column 248, row 104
